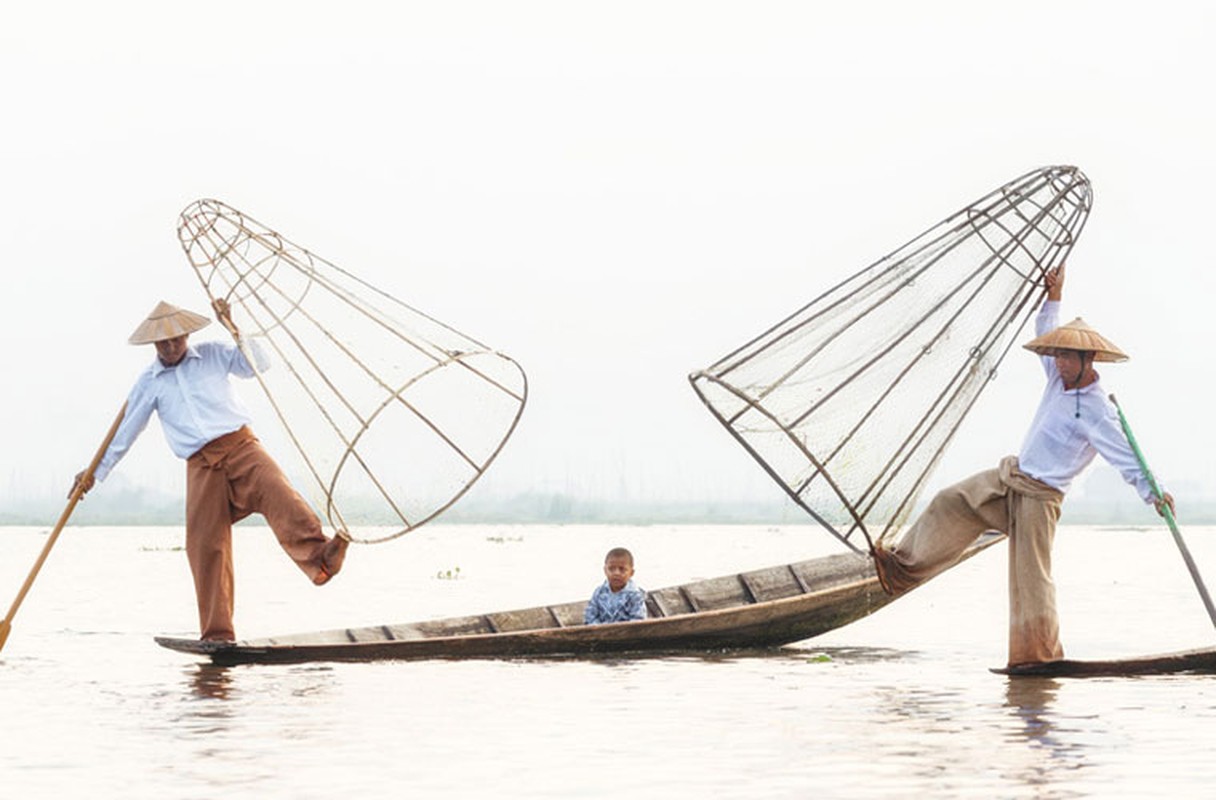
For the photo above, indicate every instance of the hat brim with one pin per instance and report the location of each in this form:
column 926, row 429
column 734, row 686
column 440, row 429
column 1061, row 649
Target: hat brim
column 177, row 323
column 1068, row 337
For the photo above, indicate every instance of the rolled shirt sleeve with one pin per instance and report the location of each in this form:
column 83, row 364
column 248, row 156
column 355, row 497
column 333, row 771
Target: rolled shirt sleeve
column 250, row 357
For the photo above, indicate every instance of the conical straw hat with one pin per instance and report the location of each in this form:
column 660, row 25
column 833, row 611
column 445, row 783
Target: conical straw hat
column 1076, row 335
column 167, row 322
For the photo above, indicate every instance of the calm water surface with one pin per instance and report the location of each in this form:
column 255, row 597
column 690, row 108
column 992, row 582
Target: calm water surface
column 897, row 704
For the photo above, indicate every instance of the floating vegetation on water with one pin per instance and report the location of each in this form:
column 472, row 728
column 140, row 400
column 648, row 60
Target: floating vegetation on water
column 452, row 574
column 819, row 658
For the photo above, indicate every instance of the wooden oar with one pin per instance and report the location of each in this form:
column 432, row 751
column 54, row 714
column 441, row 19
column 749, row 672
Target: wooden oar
column 73, row 499
column 1167, row 513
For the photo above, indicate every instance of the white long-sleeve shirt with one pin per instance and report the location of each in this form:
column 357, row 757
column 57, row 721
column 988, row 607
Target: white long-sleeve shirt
column 194, row 400
column 1072, row 425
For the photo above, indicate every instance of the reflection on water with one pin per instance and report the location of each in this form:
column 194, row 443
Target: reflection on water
column 1048, row 756
column 898, row 704
column 209, row 682
column 1030, row 700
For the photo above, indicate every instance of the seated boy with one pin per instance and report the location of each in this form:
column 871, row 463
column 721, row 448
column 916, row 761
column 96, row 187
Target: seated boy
column 616, row 599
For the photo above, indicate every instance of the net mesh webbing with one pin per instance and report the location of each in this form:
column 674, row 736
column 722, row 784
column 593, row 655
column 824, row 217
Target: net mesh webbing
column 390, row 413
column 850, row 402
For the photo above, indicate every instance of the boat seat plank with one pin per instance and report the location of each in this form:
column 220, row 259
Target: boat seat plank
column 455, row 626
column 526, row 619
column 569, row 614
column 670, row 601
column 775, row 583
column 797, row 578
column 748, row 593
column 375, row 634
column 715, row 593
column 654, row 605
column 838, row 570
column 405, row 632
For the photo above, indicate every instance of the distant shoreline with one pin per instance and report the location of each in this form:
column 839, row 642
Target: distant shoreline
column 563, row 510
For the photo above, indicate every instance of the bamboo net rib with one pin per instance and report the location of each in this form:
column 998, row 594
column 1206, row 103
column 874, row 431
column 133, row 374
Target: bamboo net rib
column 850, row 402
column 391, row 414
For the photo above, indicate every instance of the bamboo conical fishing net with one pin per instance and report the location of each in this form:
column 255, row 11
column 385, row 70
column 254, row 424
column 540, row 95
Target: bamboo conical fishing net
column 392, row 414
column 850, row 402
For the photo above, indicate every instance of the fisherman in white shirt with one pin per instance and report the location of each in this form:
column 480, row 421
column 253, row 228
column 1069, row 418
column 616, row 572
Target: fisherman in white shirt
column 1075, row 421
column 228, row 474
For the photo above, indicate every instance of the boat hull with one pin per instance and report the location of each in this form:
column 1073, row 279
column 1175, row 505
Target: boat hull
column 1202, row 660
column 764, row 608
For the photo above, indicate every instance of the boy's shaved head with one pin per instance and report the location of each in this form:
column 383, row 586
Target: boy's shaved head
column 619, row 552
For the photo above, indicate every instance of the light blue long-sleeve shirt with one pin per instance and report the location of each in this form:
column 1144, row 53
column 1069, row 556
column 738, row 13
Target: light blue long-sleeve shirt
column 194, row 400
column 1071, row 426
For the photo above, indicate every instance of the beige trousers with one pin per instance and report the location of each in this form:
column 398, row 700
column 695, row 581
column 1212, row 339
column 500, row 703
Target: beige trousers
column 1007, row 500
column 227, row 480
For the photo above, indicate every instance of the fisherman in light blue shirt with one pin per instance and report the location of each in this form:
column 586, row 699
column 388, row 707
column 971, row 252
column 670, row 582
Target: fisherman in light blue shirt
column 616, row 599
column 228, row 474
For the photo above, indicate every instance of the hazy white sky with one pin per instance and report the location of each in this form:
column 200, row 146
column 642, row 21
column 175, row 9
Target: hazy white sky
column 616, row 194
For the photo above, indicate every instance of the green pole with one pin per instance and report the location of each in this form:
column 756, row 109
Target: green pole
column 1167, row 513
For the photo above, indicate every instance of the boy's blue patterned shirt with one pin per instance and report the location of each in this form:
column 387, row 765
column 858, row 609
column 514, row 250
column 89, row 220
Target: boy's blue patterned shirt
column 606, row 606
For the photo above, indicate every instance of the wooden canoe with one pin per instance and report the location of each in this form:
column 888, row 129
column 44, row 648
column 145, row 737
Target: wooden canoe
column 1203, row 660
column 762, row 608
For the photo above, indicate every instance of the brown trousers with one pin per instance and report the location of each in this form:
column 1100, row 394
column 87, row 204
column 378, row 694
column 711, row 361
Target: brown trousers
column 1007, row 500
column 227, row 480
